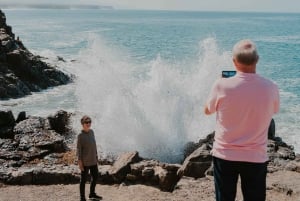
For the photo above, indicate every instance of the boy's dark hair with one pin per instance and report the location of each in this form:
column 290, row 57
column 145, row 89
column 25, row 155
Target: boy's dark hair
column 85, row 118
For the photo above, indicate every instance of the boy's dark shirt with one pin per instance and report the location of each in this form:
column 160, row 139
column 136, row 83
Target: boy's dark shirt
column 86, row 148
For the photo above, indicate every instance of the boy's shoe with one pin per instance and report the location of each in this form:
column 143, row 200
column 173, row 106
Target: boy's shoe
column 95, row 197
column 82, row 199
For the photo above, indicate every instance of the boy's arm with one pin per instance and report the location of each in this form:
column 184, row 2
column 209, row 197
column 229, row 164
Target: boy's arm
column 80, row 164
column 79, row 154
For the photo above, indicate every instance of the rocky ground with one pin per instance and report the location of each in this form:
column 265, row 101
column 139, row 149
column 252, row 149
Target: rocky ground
column 282, row 185
column 37, row 162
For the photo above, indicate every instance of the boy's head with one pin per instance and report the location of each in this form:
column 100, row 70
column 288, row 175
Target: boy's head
column 86, row 120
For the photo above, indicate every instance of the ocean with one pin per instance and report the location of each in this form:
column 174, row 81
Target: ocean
column 143, row 76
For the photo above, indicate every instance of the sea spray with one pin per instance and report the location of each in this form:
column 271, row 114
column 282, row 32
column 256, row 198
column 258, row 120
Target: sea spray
column 155, row 113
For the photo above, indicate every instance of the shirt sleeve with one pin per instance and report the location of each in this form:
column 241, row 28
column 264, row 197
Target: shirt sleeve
column 95, row 143
column 79, row 148
column 212, row 100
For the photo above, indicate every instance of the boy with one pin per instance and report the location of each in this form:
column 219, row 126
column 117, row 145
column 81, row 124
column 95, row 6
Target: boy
column 87, row 158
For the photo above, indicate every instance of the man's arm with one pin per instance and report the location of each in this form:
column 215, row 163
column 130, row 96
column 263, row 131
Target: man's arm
column 210, row 106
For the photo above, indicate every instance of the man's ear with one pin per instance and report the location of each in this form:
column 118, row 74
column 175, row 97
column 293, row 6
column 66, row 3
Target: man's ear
column 235, row 62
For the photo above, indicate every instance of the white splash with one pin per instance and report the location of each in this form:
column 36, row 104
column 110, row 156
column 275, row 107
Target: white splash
column 155, row 110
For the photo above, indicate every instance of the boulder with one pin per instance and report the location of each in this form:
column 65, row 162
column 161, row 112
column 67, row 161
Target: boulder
column 104, row 174
column 197, row 163
column 168, row 177
column 40, row 176
column 7, row 119
column 21, row 116
column 21, row 177
column 152, row 172
column 33, row 140
column 33, row 132
column 59, row 122
column 6, row 132
column 47, row 176
column 271, row 130
column 143, row 172
column 121, row 166
column 7, row 123
column 30, row 125
column 190, row 147
column 281, row 156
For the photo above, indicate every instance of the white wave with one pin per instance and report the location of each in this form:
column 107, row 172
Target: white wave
column 287, row 127
column 46, row 53
column 43, row 103
column 155, row 113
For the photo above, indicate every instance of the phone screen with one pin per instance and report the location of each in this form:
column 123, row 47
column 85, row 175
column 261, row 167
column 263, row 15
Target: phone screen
column 228, row 73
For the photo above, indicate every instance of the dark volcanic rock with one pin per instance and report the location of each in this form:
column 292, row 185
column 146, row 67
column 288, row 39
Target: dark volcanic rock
column 38, row 154
column 21, row 116
column 7, row 119
column 59, row 121
column 7, row 123
column 20, row 71
column 32, row 139
column 198, row 161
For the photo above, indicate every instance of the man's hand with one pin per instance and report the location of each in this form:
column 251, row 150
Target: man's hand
column 80, row 164
column 206, row 111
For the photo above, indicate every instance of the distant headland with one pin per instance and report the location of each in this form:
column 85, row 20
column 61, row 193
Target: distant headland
column 21, row 72
column 55, row 6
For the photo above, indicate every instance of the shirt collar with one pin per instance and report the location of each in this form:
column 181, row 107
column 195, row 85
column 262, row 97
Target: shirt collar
column 246, row 75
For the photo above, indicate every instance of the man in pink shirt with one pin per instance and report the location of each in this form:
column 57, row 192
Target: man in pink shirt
column 244, row 105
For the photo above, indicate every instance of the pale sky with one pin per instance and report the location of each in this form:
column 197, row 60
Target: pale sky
column 202, row 5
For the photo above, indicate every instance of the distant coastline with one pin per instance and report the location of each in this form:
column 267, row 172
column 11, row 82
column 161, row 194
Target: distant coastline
column 55, row 6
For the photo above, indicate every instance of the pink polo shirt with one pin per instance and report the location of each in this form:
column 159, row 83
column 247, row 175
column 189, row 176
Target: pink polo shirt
column 244, row 105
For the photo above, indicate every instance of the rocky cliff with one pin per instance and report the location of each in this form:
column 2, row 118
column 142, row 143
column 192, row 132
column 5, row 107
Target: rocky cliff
column 21, row 72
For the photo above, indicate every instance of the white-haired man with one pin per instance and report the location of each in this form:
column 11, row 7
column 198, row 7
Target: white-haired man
column 244, row 105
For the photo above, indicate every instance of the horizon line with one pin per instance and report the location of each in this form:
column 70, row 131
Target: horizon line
column 109, row 7
column 53, row 6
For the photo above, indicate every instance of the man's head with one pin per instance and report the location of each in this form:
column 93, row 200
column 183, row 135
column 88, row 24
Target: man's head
column 245, row 55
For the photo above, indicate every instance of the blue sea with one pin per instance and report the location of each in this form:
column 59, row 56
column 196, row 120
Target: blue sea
column 143, row 76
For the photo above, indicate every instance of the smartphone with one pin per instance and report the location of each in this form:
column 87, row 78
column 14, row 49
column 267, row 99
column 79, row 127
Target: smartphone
column 228, row 73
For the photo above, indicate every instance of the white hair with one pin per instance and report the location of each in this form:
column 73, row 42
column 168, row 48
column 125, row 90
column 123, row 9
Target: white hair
column 245, row 52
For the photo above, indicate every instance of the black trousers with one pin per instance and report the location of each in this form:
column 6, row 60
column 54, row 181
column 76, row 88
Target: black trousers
column 253, row 180
column 94, row 173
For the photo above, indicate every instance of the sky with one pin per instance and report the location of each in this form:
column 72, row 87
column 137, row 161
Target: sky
column 201, row 5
